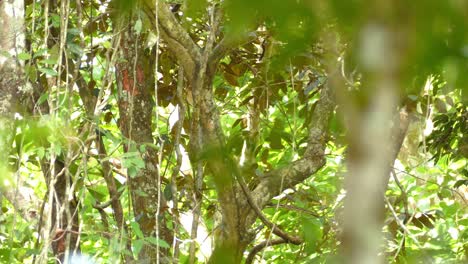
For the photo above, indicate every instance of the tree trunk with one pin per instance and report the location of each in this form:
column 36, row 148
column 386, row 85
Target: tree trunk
column 135, row 81
column 374, row 143
column 11, row 72
column 66, row 230
column 230, row 236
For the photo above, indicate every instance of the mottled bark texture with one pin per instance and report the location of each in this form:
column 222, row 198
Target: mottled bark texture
column 11, row 80
column 13, row 89
column 135, row 81
column 232, row 234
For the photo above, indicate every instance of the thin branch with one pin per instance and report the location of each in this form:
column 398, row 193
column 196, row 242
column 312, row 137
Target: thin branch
column 228, row 43
column 106, row 204
column 404, row 195
column 433, row 182
column 400, row 223
column 295, row 208
column 261, row 246
column 175, row 172
column 274, row 228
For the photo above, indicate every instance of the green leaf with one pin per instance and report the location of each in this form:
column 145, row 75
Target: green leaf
column 51, row 61
column 139, row 163
column 55, row 19
column 138, row 26
column 40, row 152
column 57, row 149
column 460, row 183
column 48, row 71
column 136, row 229
column 31, row 72
column 157, row 242
column 132, row 172
column 137, row 246
column 142, row 148
column 130, row 154
column 312, row 229
column 97, row 194
column 43, row 98
column 168, row 192
column 24, row 56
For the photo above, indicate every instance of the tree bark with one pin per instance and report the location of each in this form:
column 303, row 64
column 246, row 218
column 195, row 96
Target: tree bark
column 13, row 90
column 375, row 137
column 135, row 81
column 232, row 234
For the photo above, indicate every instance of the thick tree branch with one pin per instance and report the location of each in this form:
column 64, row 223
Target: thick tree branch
column 179, row 40
column 23, row 204
column 374, row 141
column 228, row 43
column 280, row 179
column 13, row 90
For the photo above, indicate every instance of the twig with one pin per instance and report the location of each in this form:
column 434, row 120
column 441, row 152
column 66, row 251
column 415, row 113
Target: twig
column 433, row 182
column 295, row 208
column 175, row 172
column 261, row 246
column 274, row 228
column 399, row 222
column 404, row 195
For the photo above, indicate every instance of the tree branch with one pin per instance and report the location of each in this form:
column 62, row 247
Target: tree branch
column 280, row 179
column 179, row 40
column 261, row 246
column 25, row 206
column 228, row 43
column 274, row 228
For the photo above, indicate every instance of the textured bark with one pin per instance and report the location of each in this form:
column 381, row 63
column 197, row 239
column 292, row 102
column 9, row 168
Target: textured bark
column 232, row 233
column 180, row 43
column 13, row 90
column 11, row 72
column 135, row 81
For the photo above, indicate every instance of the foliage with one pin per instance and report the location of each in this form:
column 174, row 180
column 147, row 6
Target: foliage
column 266, row 90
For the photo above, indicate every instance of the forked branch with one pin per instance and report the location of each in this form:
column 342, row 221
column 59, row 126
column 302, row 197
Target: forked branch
column 178, row 39
column 280, row 179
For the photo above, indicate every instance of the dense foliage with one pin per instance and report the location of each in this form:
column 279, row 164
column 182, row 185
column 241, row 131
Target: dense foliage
column 225, row 131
